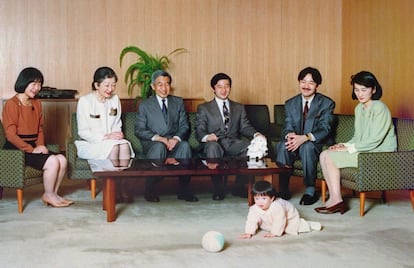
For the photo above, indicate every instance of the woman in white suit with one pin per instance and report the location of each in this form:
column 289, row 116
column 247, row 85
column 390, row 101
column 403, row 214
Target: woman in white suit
column 99, row 123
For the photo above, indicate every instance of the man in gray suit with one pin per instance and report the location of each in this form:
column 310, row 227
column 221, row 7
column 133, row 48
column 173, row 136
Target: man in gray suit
column 219, row 126
column 163, row 128
column 308, row 126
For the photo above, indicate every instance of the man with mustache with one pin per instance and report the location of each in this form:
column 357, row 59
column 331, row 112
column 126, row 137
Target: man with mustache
column 308, row 126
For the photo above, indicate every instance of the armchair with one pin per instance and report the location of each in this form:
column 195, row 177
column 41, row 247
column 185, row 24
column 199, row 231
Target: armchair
column 13, row 171
column 78, row 168
column 384, row 171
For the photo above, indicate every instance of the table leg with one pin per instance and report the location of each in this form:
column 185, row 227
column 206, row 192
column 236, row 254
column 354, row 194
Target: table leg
column 104, row 196
column 250, row 201
column 268, row 178
column 109, row 199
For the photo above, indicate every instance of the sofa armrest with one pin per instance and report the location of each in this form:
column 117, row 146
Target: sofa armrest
column 71, row 152
column 11, row 166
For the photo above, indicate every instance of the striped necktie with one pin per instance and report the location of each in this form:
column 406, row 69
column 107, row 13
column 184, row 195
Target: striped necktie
column 226, row 117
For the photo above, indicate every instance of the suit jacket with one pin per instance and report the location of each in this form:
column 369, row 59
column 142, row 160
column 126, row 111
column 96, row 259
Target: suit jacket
column 319, row 122
column 150, row 120
column 209, row 120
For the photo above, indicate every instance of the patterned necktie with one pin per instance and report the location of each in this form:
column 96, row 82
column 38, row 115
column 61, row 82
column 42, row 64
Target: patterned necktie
column 164, row 110
column 305, row 115
column 226, row 117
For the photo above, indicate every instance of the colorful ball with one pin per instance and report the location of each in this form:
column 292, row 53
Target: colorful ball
column 213, row 241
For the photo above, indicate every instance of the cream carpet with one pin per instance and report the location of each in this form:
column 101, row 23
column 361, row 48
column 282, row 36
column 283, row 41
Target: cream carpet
column 168, row 234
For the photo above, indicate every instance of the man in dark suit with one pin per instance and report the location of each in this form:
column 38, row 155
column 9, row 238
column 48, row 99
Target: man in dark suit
column 219, row 126
column 163, row 128
column 308, row 126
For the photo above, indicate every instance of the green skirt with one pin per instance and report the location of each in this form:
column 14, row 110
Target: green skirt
column 344, row 159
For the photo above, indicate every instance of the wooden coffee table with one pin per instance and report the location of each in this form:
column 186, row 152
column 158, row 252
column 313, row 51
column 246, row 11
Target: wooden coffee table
column 138, row 168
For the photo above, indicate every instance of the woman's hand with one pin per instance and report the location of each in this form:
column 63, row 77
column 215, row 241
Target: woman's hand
column 117, row 135
column 41, row 149
column 338, row 148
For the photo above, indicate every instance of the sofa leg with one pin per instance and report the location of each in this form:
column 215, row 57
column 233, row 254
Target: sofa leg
column 323, row 190
column 361, row 204
column 93, row 188
column 412, row 198
column 20, row 200
column 384, row 196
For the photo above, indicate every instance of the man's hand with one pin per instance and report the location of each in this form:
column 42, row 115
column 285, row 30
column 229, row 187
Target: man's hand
column 295, row 141
column 171, row 143
column 212, row 137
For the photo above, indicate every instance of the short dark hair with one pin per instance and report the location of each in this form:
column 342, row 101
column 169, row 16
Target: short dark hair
column 159, row 73
column 101, row 74
column 263, row 188
column 218, row 77
column 366, row 79
column 27, row 76
column 316, row 75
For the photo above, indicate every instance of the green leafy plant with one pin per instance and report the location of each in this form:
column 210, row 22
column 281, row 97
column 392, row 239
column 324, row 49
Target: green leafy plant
column 139, row 73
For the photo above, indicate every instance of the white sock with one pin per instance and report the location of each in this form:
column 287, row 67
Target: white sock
column 315, row 225
column 304, row 227
column 307, row 226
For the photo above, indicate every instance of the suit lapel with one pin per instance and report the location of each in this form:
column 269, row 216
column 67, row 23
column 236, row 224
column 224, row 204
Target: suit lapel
column 217, row 113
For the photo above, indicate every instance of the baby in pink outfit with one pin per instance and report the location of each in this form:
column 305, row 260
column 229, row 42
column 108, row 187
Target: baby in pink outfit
column 274, row 215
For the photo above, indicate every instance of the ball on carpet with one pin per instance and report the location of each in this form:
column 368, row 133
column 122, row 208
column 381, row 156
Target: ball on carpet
column 213, row 241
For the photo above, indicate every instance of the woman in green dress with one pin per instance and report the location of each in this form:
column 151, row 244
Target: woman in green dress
column 373, row 132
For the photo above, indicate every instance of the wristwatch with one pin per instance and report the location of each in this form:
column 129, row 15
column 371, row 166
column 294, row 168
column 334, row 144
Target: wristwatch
column 308, row 135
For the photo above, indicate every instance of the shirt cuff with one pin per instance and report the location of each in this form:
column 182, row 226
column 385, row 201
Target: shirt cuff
column 312, row 137
column 204, row 139
column 256, row 134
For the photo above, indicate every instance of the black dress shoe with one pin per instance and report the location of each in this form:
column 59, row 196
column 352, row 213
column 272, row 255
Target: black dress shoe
column 151, row 197
column 339, row 207
column 189, row 197
column 124, row 198
column 218, row 196
column 284, row 195
column 309, row 199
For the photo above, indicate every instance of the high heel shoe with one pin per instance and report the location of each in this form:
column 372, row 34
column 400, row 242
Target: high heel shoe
column 55, row 205
column 339, row 207
column 69, row 202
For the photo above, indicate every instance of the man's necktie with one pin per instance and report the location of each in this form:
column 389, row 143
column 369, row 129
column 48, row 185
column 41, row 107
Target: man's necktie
column 226, row 117
column 164, row 110
column 305, row 115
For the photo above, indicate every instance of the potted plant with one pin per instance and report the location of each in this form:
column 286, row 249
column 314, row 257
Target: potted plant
column 139, row 73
